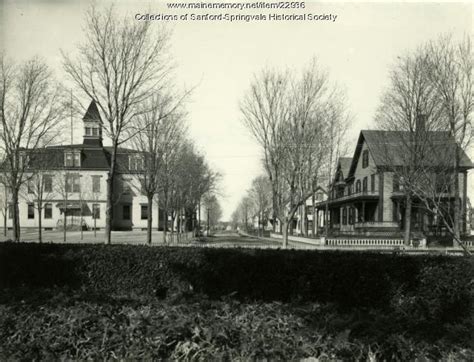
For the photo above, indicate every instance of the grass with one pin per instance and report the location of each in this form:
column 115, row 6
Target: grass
column 62, row 325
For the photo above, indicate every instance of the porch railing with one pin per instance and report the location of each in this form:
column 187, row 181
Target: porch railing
column 376, row 224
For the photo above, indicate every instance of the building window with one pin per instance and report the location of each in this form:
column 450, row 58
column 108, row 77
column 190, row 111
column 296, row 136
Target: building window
column 357, row 186
column 372, row 183
column 95, row 183
column 344, row 216
column 10, row 211
column 351, row 215
column 95, row 131
column 72, row 159
column 364, row 184
column 31, row 187
column 365, row 158
column 48, row 211
column 126, row 212
column 96, row 211
column 135, row 162
column 31, row 211
column 144, row 212
column 73, row 183
column 88, row 131
column 48, row 183
column 398, row 182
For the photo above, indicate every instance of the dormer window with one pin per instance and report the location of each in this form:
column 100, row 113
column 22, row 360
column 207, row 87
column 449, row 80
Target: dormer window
column 72, row 159
column 135, row 163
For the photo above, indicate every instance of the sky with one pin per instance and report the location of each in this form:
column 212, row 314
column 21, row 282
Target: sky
column 219, row 59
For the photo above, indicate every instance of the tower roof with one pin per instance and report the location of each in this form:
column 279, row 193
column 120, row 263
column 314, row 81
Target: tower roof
column 92, row 113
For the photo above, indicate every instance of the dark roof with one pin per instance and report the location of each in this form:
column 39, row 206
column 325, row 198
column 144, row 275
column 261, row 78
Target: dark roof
column 92, row 113
column 345, row 164
column 92, row 157
column 388, row 148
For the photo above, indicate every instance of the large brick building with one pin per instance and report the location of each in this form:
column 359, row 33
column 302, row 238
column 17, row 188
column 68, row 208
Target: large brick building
column 73, row 180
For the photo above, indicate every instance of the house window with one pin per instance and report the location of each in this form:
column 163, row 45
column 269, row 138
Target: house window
column 72, row 159
column 95, row 183
column 48, row 211
column 135, row 162
column 372, row 183
column 95, row 131
column 144, row 212
column 48, row 183
column 364, row 184
column 31, row 211
column 344, row 216
column 351, row 215
column 126, row 212
column 96, row 211
column 10, row 211
column 88, row 131
column 73, row 183
column 31, row 187
column 398, row 182
column 365, row 158
column 357, row 186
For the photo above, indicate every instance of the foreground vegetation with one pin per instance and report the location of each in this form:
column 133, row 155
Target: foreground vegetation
column 93, row 301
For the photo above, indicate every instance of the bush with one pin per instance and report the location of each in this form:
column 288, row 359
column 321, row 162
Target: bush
column 420, row 289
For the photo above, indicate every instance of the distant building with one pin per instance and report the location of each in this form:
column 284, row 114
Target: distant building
column 75, row 183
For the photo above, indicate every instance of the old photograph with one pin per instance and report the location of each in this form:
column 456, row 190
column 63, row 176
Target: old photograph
column 236, row 180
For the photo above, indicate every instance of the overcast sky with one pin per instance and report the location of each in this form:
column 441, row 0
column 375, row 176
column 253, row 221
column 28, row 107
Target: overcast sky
column 221, row 57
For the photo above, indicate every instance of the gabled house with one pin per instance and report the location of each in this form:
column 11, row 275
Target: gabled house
column 366, row 196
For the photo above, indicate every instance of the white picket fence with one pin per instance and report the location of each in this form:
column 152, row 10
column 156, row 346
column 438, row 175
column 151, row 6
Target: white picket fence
column 378, row 243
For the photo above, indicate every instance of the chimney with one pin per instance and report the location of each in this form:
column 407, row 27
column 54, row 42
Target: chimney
column 420, row 123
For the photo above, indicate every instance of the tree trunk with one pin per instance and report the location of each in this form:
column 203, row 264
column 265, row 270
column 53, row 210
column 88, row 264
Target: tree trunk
column 457, row 198
column 5, row 222
column 110, row 193
column 313, row 225
column 285, row 234
column 40, row 231
column 64, row 221
column 149, row 225
column 326, row 219
column 407, row 233
column 16, row 215
column 165, row 225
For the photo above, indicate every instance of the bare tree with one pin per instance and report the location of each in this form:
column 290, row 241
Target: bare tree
column 30, row 111
column 121, row 65
column 40, row 188
column 260, row 192
column 450, row 70
column 158, row 134
column 410, row 110
column 286, row 115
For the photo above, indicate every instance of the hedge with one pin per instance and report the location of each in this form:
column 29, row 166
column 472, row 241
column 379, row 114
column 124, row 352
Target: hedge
column 378, row 296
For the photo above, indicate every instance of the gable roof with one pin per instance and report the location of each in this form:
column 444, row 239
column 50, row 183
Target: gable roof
column 345, row 165
column 387, row 148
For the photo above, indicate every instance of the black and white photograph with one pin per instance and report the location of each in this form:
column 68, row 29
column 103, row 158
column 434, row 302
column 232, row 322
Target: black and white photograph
column 236, row 180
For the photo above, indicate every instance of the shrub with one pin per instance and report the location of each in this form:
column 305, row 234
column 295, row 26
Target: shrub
column 420, row 288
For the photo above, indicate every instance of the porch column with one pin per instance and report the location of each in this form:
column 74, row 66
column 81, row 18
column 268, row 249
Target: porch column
column 316, row 222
